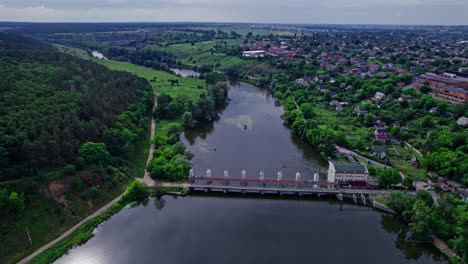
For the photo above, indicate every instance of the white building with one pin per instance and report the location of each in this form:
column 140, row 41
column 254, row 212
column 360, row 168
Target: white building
column 347, row 172
column 254, row 53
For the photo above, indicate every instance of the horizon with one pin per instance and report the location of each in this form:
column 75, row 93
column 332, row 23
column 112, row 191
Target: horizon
column 339, row 12
column 224, row 22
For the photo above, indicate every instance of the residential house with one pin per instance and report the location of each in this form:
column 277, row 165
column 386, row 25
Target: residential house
column 380, row 151
column 379, row 95
column 463, row 121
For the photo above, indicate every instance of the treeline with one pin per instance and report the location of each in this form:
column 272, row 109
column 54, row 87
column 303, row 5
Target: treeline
column 171, row 162
column 51, row 103
column 448, row 220
column 447, row 153
column 204, row 108
column 152, row 58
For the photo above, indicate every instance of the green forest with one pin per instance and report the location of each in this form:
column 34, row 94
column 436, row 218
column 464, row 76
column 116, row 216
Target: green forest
column 64, row 120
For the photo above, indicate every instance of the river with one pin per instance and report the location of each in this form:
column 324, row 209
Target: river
column 186, row 73
column 248, row 229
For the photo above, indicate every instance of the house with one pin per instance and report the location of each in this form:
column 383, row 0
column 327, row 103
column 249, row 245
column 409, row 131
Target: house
column 405, row 98
column 373, row 67
column 381, row 131
column 463, row 121
column 381, row 138
column 379, row 95
column 414, row 162
column 379, row 151
column 453, row 186
column 463, row 193
column 301, row 82
column 433, row 110
column 347, row 172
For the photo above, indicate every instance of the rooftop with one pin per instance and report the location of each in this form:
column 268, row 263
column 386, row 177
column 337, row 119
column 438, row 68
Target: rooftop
column 350, row 167
column 458, row 90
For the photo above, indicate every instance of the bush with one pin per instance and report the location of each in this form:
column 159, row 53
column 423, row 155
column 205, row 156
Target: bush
column 109, row 170
column 69, row 170
column 113, row 183
column 93, row 192
column 78, row 184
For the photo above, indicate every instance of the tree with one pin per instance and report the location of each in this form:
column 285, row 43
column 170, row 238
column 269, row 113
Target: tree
column 341, row 139
column 137, row 191
column 17, row 201
column 427, row 122
column 327, row 96
column 388, row 177
column 421, row 220
column 408, row 182
column 189, row 122
column 425, row 88
column 307, row 110
column 395, row 131
column 178, row 148
column 94, row 153
column 425, row 197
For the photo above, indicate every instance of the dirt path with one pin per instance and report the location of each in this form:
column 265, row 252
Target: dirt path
column 62, row 236
column 444, row 248
column 147, row 178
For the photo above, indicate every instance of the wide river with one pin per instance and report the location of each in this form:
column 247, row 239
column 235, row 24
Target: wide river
column 208, row 229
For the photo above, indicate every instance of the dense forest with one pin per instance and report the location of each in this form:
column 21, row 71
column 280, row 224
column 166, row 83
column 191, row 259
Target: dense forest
column 51, row 103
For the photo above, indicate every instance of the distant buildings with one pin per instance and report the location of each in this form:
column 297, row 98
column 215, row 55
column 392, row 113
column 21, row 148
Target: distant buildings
column 437, row 81
column 254, row 53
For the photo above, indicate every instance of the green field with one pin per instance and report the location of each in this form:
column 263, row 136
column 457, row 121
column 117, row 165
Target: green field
column 190, row 87
column 200, row 54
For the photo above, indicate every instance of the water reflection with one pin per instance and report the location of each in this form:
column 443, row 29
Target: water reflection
column 411, row 249
column 159, row 203
column 252, row 230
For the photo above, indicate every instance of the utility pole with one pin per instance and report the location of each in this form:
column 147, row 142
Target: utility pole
column 27, row 231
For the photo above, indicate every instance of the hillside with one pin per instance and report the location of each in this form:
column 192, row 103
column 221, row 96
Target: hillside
column 71, row 131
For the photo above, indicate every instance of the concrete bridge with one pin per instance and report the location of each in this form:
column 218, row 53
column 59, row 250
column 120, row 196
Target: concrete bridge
column 278, row 186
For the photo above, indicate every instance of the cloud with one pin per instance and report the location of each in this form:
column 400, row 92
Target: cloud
column 268, row 11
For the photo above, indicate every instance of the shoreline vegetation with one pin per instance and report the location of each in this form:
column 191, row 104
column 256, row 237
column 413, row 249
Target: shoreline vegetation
column 136, row 193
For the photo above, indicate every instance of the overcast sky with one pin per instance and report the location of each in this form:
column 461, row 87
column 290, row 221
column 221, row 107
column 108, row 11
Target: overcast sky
column 268, row 11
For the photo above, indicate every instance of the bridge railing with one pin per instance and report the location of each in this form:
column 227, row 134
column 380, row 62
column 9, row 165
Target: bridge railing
column 280, row 183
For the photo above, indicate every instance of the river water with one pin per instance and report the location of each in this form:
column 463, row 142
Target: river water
column 186, row 73
column 248, row 229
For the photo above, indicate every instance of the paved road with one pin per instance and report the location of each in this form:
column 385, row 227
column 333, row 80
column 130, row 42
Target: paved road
column 352, row 153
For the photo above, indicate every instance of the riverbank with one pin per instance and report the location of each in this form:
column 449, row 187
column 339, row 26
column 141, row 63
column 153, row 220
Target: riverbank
column 83, row 231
